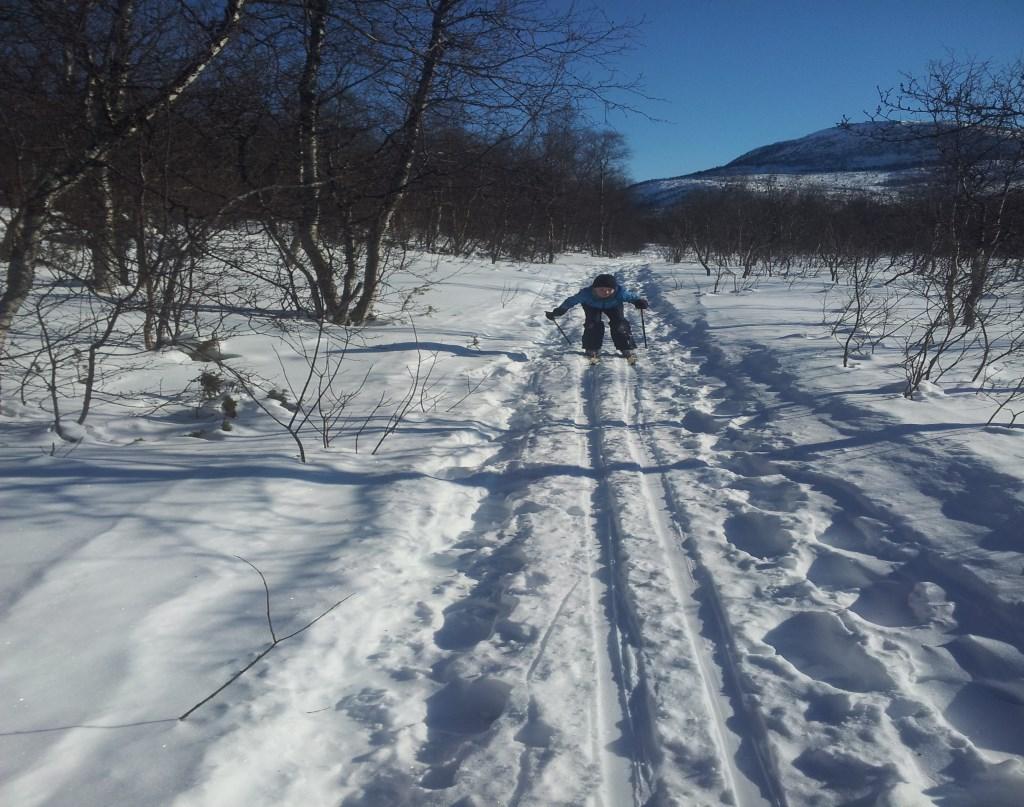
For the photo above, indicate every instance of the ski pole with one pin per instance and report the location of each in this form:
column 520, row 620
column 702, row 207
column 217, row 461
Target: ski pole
column 566, row 338
column 643, row 327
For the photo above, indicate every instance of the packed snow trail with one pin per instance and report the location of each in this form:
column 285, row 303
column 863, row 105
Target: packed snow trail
column 657, row 702
column 659, row 604
column 630, row 709
column 707, row 630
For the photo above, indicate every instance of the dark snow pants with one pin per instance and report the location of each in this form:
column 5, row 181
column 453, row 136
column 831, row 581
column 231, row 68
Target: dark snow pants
column 593, row 328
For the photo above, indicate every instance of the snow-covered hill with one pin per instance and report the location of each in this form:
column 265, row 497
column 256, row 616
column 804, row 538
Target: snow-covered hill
column 856, row 147
column 870, row 157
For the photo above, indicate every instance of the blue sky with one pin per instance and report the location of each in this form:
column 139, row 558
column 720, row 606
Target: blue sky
column 738, row 74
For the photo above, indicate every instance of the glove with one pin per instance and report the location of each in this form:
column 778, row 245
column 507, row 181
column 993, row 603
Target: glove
column 555, row 313
column 641, row 304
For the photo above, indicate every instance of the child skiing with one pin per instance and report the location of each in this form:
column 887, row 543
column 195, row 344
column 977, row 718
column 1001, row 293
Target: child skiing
column 604, row 297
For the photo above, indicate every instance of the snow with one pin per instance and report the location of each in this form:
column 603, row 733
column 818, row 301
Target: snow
column 737, row 573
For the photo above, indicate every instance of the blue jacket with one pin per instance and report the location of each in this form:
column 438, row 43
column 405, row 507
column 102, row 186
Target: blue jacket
column 586, row 296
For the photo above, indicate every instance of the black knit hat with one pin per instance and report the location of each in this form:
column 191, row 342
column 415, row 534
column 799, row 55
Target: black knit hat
column 608, row 281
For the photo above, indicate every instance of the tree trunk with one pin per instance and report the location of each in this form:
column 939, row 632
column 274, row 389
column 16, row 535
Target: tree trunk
column 106, row 102
column 308, row 230
column 22, row 244
column 397, row 185
column 105, row 264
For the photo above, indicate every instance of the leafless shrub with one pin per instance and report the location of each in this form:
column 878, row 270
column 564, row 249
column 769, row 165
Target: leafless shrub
column 869, row 313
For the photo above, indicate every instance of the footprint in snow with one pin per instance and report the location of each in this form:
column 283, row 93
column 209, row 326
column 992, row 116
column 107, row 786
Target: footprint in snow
column 989, row 709
column 744, row 464
column 819, row 645
column 834, row 571
column 370, row 708
column 732, row 406
column 868, row 536
column 783, row 496
column 853, row 780
column 459, row 719
column 699, row 422
column 759, row 534
column 535, row 733
column 887, row 602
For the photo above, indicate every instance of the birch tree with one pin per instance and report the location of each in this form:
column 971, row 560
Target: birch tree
column 491, row 67
column 47, row 55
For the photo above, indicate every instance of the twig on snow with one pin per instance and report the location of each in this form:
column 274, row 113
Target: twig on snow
column 274, row 640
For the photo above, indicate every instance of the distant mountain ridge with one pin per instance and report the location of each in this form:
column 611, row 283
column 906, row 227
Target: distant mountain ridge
column 855, row 147
column 872, row 157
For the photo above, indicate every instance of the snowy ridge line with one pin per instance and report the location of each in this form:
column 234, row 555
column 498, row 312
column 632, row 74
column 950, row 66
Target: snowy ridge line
column 725, row 671
column 623, row 638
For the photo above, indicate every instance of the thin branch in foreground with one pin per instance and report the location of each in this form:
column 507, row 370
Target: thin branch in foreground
column 266, row 589
column 274, row 643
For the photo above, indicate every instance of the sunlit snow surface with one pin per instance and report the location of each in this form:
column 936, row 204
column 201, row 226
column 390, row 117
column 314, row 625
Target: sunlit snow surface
column 737, row 573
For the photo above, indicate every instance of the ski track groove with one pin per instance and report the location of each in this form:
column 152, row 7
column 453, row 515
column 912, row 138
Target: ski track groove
column 549, row 630
column 700, row 581
column 611, row 750
column 691, row 585
column 655, row 519
column 683, row 584
column 605, row 618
